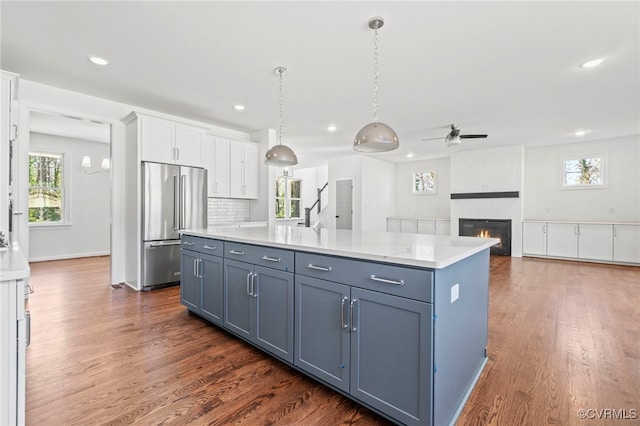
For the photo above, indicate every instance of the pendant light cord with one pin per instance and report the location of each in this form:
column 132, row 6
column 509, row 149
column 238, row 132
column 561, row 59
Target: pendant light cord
column 280, row 72
column 375, row 75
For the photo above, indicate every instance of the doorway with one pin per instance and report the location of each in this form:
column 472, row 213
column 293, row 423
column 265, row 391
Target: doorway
column 75, row 221
column 344, row 204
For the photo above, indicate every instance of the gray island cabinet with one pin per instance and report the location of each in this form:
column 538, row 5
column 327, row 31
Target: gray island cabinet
column 396, row 322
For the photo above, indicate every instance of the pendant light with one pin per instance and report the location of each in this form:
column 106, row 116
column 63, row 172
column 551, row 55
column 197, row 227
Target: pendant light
column 375, row 136
column 280, row 155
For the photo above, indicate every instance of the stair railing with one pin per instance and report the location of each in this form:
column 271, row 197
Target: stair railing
column 318, row 203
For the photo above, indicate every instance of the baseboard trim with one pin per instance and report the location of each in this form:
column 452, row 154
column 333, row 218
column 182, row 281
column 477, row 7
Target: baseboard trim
column 68, row 256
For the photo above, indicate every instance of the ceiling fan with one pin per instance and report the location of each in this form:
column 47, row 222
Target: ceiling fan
column 455, row 138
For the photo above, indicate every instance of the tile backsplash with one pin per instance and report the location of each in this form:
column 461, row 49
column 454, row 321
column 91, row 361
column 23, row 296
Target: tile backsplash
column 228, row 210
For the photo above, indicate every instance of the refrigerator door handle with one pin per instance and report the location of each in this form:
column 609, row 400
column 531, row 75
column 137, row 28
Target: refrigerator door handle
column 176, row 200
column 183, row 179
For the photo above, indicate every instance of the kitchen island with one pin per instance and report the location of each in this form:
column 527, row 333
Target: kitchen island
column 396, row 322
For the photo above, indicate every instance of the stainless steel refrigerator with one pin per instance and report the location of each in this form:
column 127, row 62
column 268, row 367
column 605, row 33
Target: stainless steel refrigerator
column 173, row 198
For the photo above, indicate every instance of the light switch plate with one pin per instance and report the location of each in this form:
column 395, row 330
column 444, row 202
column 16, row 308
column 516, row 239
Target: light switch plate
column 455, row 292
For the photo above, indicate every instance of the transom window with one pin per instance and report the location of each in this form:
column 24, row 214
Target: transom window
column 46, row 188
column 288, row 198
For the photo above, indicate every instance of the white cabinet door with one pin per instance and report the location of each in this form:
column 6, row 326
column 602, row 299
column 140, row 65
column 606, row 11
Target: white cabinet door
column 251, row 170
column 595, row 241
column 534, row 238
column 216, row 153
column 426, row 226
column 394, row 224
column 410, row 226
column 443, row 227
column 243, row 170
column 626, row 243
column 188, row 146
column 156, row 140
column 562, row 239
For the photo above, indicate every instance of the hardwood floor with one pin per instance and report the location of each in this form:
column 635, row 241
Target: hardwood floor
column 563, row 336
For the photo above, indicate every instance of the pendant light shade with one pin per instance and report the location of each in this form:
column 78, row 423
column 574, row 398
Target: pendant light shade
column 280, row 155
column 376, row 136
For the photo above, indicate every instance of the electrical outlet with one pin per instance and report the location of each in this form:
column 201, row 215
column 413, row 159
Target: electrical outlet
column 455, row 292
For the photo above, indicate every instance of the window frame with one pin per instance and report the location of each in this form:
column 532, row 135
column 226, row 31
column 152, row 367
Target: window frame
column 433, row 191
column 604, row 166
column 288, row 198
column 65, row 214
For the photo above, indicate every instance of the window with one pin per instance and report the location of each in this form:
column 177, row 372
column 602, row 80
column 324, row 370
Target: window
column 288, row 198
column 46, row 188
column 583, row 172
column 424, row 182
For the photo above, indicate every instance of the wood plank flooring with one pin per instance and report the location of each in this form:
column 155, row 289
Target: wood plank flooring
column 563, row 336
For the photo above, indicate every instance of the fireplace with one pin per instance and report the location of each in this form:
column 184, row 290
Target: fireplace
column 489, row 228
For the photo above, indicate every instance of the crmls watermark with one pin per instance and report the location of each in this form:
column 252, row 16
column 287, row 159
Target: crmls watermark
column 608, row 413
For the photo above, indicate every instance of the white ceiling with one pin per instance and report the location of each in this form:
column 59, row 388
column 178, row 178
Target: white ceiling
column 509, row 69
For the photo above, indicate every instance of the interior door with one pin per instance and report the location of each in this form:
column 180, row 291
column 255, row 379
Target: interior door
column 344, row 204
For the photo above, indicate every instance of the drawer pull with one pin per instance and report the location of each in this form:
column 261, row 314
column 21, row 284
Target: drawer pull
column 236, row 252
column 187, row 243
column 271, row 259
column 319, row 268
column 385, row 280
column 208, row 247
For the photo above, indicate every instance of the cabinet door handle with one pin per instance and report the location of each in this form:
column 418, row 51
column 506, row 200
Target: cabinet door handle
column 351, row 309
column 249, row 284
column 271, row 259
column 387, row 281
column 177, row 153
column 544, row 229
column 195, row 268
column 342, row 306
column 239, row 253
column 208, row 247
column 254, row 293
column 187, row 243
column 200, row 268
column 319, row 268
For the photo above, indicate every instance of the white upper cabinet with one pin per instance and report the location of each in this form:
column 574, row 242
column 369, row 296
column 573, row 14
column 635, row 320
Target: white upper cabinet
column 243, row 170
column 626, row 243
column 165, row 141
column 216, row 157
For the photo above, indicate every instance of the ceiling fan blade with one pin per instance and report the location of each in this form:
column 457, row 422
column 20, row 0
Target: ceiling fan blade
column 472, row 136
column 430, row 139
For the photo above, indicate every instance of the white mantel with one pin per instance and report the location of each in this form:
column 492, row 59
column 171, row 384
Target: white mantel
column 489, row 170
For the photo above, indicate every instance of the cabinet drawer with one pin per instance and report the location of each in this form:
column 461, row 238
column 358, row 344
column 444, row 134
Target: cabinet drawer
column 203, row 245
column 260, row 255
column 397, row 280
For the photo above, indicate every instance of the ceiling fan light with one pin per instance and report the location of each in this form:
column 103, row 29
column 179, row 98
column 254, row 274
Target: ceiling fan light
column 376, row 137
column 452, row 140
column 280, row 155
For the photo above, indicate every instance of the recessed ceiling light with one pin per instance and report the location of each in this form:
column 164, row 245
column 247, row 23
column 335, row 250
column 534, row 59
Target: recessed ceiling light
column 592, row 63
column 580, row 132
column 410, row 155
column 332, row 128
column 239, row 107
column 98, row 60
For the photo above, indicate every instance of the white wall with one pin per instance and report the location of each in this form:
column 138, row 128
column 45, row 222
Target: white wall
column 344, row 168
column 378, row 194
column 432, row 205
column 620, row 201
column 87, row 234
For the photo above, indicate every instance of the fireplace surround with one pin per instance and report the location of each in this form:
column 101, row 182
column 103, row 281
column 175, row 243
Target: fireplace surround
column 489, row 228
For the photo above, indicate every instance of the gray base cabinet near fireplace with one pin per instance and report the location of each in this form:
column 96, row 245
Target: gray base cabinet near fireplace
column 403, row 336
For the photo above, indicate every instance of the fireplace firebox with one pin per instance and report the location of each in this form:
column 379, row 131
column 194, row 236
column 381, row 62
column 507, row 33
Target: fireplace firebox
column 489, row 228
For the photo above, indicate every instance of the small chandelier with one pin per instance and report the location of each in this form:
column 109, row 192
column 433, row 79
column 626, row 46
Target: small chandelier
column 280, row 155
column 375, row 136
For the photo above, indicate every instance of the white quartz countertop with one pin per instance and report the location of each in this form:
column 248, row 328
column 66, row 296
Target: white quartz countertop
column 13, row 265
column 429, row 251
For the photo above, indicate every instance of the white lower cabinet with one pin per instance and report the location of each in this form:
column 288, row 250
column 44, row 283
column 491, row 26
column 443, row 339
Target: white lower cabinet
column 419, row 226
column 626, row 243
column 410, row 226
column 605, row 242
column 394, row 224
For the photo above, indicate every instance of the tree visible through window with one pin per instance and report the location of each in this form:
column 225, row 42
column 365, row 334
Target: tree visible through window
column 583, row 172
column 424, row 182
column 288, row 198
column 45, row 188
